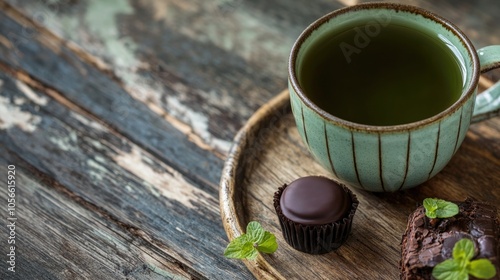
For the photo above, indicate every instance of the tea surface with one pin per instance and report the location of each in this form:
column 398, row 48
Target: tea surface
column 394, row 76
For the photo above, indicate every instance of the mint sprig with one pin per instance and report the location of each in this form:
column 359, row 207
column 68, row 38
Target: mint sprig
column 247, row 245
column 439, row 208
column 461, row 265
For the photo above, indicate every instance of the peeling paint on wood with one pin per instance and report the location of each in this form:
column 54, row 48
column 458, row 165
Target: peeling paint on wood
column 126, row 109
column 198, row 123
column 102, row 19
column 167, row 183
column 91, row 123
column 66, row 241
column 11, row 115
column 130, row 186
column 107, row 100
column 66, row 142
column 40, row 100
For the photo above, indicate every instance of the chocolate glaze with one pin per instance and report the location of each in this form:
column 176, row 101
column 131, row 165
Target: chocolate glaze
column 315, row 200
column 325, row 201
column 424, row 245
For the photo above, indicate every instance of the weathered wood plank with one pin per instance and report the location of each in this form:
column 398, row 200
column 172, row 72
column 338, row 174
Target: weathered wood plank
column 49, row 65
column 58, row 237
column 189, row 62
column 193, row 79
column 158, row 204
column 212, row 61
column 206, row 76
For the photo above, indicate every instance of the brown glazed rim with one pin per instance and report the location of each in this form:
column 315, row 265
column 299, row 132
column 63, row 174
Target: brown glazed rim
column 470, row 89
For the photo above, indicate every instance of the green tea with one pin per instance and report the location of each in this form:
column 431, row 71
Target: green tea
column 386, row 76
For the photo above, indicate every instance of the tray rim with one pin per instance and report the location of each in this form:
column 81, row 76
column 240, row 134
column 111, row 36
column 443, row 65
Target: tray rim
column 228, row 192
column 233, row 227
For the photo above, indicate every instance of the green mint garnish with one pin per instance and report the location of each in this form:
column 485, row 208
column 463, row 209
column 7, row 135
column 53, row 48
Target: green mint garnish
column 460, row 266
column 438, row 208
column 255, row 240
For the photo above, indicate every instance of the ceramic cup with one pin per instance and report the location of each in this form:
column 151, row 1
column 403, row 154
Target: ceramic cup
column 392, row 158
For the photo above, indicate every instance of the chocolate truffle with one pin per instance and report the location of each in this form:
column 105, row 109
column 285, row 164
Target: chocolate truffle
column 315, row 213
column 425, row 244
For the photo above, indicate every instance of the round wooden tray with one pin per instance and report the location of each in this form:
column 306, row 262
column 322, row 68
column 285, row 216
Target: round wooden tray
column 268, row 152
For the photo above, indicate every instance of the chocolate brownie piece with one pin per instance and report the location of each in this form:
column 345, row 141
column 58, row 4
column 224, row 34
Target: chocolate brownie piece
column 426, row 243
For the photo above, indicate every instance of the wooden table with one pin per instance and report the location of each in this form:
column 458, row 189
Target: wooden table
column 117, row 116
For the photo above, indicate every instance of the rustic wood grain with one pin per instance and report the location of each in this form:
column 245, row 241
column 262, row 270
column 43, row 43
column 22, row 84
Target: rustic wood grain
column 269, row 153
column 60, row 237
column 221, row 59
column 129, row 187
column 163, row 86
column 48, row 64
column 190, row 79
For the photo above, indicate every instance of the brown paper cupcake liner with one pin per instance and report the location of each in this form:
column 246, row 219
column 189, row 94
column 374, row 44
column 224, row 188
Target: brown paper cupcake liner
column 315, row 239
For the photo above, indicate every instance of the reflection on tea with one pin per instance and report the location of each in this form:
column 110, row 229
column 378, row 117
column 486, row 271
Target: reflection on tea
column 395, row 75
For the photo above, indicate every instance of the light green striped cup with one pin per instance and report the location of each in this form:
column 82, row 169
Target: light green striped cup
column 392, row 158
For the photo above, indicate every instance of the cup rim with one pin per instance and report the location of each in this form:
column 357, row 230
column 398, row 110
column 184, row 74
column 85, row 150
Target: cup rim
column 469, row 89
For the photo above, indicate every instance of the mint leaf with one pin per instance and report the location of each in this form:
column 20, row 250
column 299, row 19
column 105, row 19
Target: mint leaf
column 482, row 269
column 460, row 266
column 463, row 249
column 241, row 248
column 449, row 270
column 439, row 208
column 255, row 232
column 268, row 244
column 446, row 209
column 249, row 251
column 430, row 206
column 250, row 243
column 235, row 248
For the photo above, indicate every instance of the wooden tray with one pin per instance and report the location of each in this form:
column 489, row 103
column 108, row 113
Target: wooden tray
column 268, row 152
